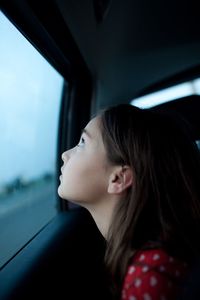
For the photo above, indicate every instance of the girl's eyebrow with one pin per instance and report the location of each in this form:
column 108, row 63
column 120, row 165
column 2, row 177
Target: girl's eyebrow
column 87, row 133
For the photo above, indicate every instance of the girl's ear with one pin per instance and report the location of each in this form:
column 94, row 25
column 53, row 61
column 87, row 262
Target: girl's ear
column 120, row 179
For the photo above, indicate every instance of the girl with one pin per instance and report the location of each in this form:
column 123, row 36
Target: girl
column 137, row 172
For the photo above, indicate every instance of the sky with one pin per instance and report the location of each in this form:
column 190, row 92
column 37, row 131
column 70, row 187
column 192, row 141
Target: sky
column 30, row 97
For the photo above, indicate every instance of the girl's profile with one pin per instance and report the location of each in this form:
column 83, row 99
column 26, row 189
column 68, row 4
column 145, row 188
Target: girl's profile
column 137, row 173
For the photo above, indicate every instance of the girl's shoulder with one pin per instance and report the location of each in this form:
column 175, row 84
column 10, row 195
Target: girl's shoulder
column 155, row 257
column 154, row 274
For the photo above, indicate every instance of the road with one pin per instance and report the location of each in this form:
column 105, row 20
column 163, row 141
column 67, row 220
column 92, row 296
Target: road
column 23, row 214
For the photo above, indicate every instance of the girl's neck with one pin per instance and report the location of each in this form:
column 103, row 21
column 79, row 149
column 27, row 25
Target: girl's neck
column 102, row 214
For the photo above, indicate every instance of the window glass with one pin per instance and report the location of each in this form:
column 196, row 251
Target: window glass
column 198, row 144
column 169, row 94
column 30, row 98
column 166, row 95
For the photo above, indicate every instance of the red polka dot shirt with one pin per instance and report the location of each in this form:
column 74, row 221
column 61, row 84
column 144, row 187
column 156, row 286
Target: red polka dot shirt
column 153, row 275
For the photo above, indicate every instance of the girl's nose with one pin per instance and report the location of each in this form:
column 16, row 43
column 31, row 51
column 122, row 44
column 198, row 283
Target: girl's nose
column 64, row 156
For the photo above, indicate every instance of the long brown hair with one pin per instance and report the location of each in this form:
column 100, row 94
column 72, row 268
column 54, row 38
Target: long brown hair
column 163, row 205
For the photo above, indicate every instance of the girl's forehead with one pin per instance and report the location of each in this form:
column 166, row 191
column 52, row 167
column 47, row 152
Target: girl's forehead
column 93, row 127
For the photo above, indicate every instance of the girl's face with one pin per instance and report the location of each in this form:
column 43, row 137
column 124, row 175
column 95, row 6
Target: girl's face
column 85, row 172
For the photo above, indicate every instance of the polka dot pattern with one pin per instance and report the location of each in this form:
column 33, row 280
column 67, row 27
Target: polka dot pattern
column 153, row 275
column 131, row 270
column 146, row 296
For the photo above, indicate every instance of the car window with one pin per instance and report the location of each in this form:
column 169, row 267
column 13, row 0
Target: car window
column 30, row 99
column 169, row 94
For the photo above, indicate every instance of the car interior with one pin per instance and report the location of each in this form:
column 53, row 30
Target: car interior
column 108, row 52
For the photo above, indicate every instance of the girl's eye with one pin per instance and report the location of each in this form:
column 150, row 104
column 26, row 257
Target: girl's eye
column 81, row 142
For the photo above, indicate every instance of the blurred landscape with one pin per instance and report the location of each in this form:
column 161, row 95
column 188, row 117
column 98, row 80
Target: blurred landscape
column 24, row 210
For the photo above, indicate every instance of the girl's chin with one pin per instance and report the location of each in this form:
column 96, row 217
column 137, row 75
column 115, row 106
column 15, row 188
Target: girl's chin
column 60, row 191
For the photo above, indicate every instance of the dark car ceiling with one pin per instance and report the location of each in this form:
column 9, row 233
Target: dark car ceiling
column 138, row 43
